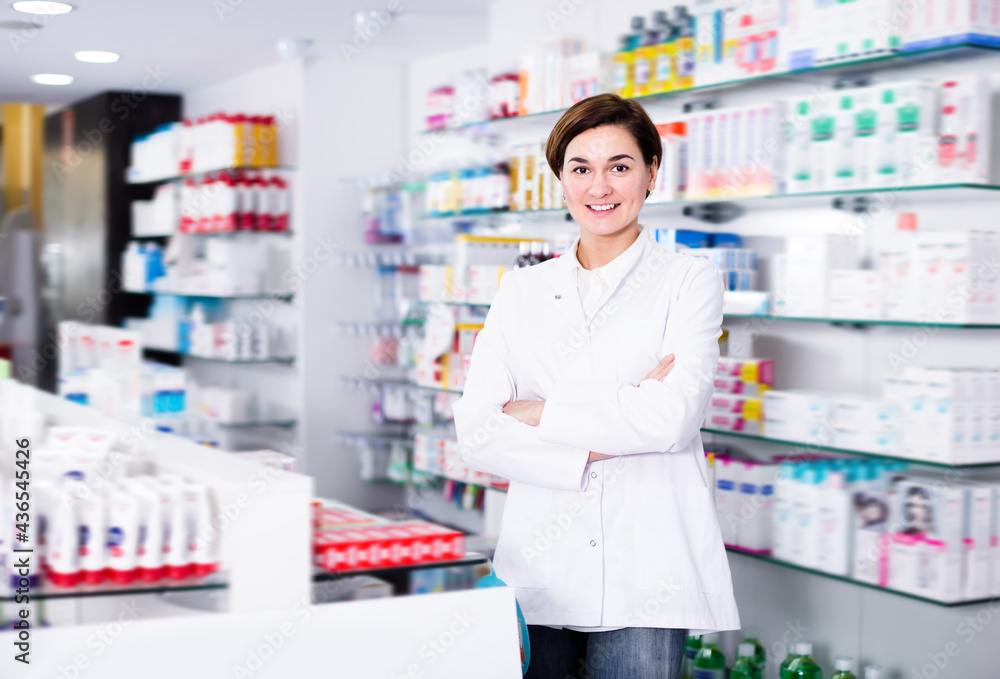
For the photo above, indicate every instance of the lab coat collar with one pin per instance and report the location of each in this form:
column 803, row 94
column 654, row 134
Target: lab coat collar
column 565, row 297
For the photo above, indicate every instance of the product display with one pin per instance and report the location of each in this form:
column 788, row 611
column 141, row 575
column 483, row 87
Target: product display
column 141, row 527
column 346, row 541
column 215, row 142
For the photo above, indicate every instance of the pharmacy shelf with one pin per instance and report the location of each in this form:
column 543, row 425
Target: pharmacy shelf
column 284, row 360
column 470, row 559
column 866, row 322
column 812, row 448
column 859, row 583
column 816, row 319
column 806, row 200
column 958, row 51
column 281, row 297
column 216, row 234
column 48, row 591
column 202, row 173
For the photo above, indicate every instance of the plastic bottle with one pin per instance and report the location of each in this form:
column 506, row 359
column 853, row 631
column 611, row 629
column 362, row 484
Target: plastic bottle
column 664, row 73
column 793, row 653
column 745, row 667
column 802, row 666
column 709, row 662
column 751, row 636
column 844, row 666
column 534, row 255
column 523, row 248
column 691, row 647
column 873, row 672
column 684, row 41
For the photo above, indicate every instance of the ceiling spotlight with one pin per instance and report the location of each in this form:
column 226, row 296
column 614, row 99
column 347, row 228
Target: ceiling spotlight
column 290, row 48
column 51, row 79
column 42, row 7
column 96, row 57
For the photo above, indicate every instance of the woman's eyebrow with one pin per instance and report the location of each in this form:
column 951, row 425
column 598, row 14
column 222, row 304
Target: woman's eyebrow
column 620, row 157
column 577, row 160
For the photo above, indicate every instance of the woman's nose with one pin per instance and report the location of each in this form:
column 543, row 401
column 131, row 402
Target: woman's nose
column 599, row 186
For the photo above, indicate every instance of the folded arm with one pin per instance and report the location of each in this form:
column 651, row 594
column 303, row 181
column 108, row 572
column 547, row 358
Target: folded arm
column 494, row 442
column 657, row 415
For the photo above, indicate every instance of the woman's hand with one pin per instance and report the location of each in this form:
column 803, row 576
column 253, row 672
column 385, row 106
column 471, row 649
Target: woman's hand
column 529, row 412
column 662, row 368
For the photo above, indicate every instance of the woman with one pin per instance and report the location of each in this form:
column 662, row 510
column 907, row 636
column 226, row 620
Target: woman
column 587, row 389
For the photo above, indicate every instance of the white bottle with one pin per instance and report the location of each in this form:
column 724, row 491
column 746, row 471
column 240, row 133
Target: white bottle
column 804, row 512
column 62, row 542
column 202, row 546
column 783, row 512
column 91, row 516
column 122, row 536
column 873, row 672
column 835, row 523
column 800, row 169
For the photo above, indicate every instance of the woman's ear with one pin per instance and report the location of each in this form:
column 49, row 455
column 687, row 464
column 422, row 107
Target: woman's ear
column 653, row 168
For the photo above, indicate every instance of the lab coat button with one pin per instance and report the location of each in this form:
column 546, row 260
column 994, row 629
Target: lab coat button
column 593, row 543
column 593, row 475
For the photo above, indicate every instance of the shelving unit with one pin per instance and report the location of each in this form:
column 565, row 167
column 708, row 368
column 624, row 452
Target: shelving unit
column 201, row 173
column 813, row 447
column 896, row 592
column 47, row 591
column 957, row 52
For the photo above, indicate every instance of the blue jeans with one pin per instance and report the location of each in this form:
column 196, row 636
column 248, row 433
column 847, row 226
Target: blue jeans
column 629, row 653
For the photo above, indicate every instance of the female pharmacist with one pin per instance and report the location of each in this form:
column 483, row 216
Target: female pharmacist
column 587, row 388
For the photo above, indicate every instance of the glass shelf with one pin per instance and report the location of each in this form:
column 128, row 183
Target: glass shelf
column 436, row 389
column 879, row 61
column 470, row 559
column 859, row 583
column 283, row 297
column 276, row 359
column 830, row 449
column 812, row 199
column 216, row 234
column 48, row 591
column 202, row 173
column 867, row 321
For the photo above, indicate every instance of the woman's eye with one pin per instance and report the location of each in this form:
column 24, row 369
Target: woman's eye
column 579, row 170
column 620, row 168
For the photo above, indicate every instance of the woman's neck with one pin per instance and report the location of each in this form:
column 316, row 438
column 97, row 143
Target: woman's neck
column 594, row 251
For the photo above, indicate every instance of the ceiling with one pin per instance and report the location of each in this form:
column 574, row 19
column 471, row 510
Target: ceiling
column 200, row 42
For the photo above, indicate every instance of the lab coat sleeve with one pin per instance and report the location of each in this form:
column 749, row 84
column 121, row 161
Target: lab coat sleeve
column 496, row 443
column 657, row 415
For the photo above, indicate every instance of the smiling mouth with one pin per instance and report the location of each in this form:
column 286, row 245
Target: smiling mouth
column 603, row 208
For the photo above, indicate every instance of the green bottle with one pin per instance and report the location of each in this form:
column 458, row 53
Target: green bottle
column 844, row 666
column 691, row 648
column 709, row 663
column 802, row 666
column 750, row 636
column 745, row 667
column 793, row 653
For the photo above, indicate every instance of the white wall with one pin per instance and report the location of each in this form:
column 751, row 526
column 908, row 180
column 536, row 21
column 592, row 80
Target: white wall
column 353, row 127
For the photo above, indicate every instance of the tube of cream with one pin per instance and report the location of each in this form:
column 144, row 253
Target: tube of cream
column 122, row 535
column 62, row 541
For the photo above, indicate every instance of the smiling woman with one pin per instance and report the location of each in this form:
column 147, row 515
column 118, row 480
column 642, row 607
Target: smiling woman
column 590, row 404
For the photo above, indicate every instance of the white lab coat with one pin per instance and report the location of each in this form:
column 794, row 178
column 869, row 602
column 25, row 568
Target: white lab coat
column 630, row 541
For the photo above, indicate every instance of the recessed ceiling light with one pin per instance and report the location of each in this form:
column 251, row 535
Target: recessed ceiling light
column 42, row 7
column 51, row 79
column 96, row 57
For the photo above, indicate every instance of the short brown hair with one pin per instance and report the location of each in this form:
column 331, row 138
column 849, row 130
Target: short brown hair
column 603, row 109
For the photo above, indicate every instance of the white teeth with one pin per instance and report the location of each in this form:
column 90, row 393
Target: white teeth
column 601, row 208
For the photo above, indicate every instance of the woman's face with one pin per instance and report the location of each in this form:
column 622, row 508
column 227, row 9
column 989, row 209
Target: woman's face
column 605, row 179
